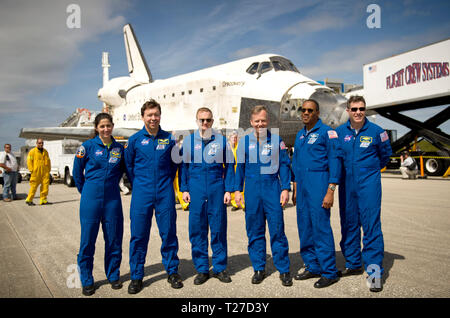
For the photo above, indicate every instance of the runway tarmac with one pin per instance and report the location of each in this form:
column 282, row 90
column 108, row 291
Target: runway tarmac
column 39, row 246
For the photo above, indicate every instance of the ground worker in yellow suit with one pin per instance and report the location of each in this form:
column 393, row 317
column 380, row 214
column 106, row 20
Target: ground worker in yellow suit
column 38, row 163
column 233, row 141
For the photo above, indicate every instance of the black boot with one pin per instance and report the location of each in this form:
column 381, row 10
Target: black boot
column 135, row 286
column 258, row 277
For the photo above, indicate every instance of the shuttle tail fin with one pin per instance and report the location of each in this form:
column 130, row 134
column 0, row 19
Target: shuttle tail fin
column 137, row 66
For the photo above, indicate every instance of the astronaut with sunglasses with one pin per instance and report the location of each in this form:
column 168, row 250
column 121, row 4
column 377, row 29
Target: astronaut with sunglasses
column 366, row 150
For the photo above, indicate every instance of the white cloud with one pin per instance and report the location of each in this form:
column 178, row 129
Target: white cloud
column 37, row 53
column 349, row 59
column 324, row 21
column 235, row 20
column 38, row 49
column 327, row 15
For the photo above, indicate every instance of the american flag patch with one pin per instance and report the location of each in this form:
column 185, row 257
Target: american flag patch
column 384, row 136
column 332, row 134
column 282, row 145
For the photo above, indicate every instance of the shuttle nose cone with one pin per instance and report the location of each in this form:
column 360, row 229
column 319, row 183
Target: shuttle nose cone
column 100, row 93
column 332, row 107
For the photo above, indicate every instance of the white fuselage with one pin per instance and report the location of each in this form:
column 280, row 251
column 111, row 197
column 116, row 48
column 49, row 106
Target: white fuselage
column 219, row 88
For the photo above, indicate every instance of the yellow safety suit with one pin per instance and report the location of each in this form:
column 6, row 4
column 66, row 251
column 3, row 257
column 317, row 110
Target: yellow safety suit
column 38, row 163
column 233, row 201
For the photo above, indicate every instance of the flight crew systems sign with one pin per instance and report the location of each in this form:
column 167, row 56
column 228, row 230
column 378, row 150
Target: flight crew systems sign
column 418, row 74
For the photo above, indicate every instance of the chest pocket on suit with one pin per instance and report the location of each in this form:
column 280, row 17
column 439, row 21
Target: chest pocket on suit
column 163, row 152
column 99, row 157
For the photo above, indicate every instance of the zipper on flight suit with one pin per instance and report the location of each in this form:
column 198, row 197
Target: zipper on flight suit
column 155, row 165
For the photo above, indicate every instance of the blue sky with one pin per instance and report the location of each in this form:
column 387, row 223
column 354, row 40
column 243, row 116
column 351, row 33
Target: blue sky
column 48, row 70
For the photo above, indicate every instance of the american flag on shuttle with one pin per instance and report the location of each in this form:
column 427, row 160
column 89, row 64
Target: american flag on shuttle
column 372, row 68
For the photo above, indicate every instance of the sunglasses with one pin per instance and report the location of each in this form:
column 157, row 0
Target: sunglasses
column 307, row 110
column 355, row 109
column 208, row 120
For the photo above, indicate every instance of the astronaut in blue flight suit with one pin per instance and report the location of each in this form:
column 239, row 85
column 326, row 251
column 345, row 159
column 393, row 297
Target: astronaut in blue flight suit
column 263, row 164
column 316, row 168
column 97, row 169
column 207, row 178
column 366, row 150
column 152, row 172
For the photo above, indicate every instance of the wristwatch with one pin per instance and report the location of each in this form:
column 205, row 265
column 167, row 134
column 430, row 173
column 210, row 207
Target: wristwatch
column 332, row 187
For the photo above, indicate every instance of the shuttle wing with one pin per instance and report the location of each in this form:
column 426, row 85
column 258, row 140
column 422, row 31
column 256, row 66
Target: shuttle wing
column 137, row 65
column 78, row 133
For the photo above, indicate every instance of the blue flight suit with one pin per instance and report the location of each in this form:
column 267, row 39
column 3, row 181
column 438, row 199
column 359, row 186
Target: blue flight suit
column 364, row 154
column 265, row 168
column 152, row 171
column 100, row 202
column 315, row 164
column 207, row 173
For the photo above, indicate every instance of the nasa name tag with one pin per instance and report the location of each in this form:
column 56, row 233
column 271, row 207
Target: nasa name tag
column 116, row 153
column 161, row 147
column 213, row 149
column 366, row 139
column 266, row 149
column 312, row 138
column 113, row 159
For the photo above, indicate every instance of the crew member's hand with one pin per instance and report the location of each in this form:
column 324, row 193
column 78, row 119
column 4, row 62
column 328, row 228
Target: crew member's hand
column 328, row 199
column 186, row 197
column 227, row 198
column 284, row 197
column 238, row 197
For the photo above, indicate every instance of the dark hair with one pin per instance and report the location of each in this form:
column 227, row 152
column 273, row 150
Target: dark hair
column 355, row 99
column 312, row 101
column 98, row 118
column 149, row 105
column 6, row 145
